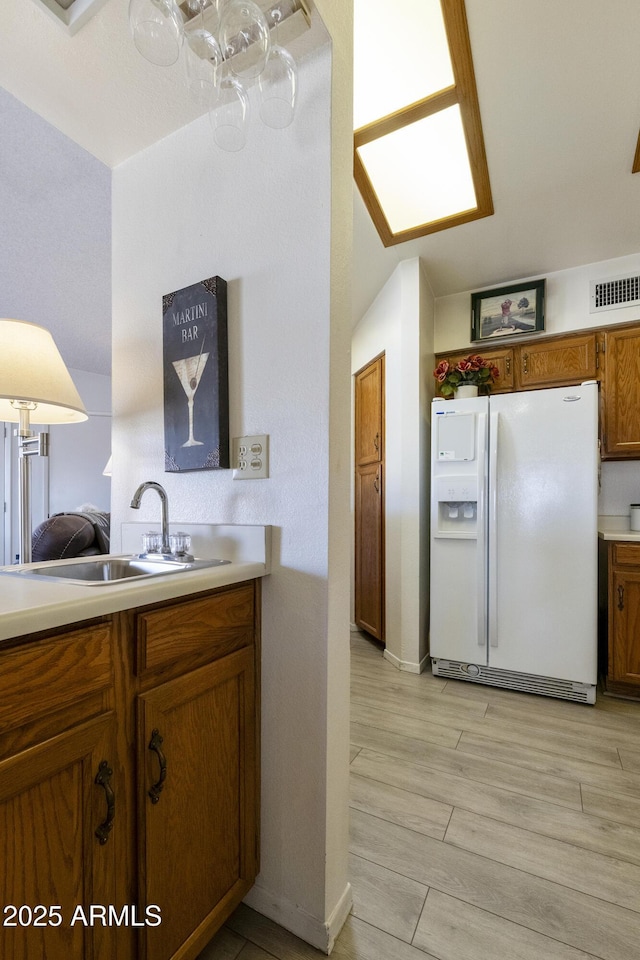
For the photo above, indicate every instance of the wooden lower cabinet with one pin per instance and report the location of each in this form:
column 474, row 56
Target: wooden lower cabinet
column 197, row 796
column 53, row 818
column 129, row 780
column 622, row 671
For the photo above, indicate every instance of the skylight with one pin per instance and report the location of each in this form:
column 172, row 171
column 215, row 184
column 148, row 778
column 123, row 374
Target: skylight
column 419, row 158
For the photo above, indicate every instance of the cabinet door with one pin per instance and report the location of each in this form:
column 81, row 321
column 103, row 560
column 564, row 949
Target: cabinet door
column 624, row 650
column 558, row 361
column 369, row 550
column 621, row 395
column 198, row 801
column 369, row 412
column 502, row 358
column 57, row 847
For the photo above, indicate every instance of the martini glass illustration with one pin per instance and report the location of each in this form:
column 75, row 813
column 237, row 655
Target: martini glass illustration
column 189, row 371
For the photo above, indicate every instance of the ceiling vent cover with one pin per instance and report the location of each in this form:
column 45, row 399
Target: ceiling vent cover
column 615, row 292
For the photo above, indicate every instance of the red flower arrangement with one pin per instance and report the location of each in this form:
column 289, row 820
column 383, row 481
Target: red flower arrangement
column 474, row 369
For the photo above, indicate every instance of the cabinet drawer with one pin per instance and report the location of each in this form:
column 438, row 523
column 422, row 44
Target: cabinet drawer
column 199, row 630
column 39, row 678
column 627, row 553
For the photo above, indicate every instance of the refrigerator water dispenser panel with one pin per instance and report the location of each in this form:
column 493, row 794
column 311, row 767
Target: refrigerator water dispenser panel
column 456, row 437
column 457, row 506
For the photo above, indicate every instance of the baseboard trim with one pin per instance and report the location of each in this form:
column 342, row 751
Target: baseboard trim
column 318, row 933
column 408, row 666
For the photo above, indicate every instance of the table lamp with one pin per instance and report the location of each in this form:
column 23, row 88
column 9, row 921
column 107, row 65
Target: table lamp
column 35, row 387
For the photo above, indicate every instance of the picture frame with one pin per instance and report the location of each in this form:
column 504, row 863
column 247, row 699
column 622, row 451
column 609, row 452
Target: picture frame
column 196, row 377
column 508, row 311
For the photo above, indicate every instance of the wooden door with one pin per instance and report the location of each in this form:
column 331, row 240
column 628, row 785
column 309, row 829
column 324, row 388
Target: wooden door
column 369, row 586
column 621, row 394
column 57, row 846
column 197, row 801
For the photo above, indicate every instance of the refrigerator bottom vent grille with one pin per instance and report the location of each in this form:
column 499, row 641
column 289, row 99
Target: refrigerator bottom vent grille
column 527, row 682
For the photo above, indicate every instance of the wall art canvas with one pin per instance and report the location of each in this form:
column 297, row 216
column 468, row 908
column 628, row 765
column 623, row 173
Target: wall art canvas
column 196, row 377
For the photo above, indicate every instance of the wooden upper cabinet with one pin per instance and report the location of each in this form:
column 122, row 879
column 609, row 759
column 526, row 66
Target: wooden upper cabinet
column 621, row 394
column 502, row 358
column 557, row 361
column 369, row 412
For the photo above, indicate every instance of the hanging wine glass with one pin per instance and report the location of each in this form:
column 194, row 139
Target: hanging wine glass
column 278, row 82
column 157, row 29
column 244, row 38
column 228, row 115
column 203, row 57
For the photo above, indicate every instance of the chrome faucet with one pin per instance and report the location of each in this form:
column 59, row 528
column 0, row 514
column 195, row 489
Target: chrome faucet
column 164, row 500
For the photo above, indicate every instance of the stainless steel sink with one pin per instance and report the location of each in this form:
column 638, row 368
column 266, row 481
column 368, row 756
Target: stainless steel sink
column 103, row 570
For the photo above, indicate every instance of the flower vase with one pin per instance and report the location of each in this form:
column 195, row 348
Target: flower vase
column 466, row 390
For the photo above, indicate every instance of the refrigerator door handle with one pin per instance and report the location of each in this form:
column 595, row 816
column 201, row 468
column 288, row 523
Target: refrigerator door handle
column 481, row 535
column 492, row 562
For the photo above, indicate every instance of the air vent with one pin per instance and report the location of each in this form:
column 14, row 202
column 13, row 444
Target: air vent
column 615, row 292
column 510, row 680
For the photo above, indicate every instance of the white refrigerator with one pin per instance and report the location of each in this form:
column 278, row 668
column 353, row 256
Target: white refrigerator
column 514, row 485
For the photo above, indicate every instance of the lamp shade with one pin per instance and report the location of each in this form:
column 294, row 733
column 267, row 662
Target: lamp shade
column 32, row 370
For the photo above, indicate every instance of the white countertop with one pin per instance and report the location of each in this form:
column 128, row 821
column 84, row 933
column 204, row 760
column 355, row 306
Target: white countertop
column 29, row 605
column 616, row 528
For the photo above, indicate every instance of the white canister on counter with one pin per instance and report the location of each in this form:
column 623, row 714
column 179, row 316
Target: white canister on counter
column 634, row 516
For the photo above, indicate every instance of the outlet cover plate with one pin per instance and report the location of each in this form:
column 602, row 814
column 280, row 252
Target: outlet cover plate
column 251, row 458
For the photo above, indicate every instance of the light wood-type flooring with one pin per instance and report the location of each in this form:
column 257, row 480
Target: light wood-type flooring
column 485, row 825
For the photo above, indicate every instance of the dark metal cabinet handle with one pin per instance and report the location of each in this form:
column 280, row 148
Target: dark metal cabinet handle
column 154, row 745
column 508, row 364
column 620, row 597
column 376, row 483
column 525, row 358
column 103, row 779
column 376, row 441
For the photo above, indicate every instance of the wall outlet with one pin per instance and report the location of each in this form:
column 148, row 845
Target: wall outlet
column 251, row 458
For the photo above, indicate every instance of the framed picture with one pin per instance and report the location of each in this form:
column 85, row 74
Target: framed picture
column 508, row 311
column 196, row 377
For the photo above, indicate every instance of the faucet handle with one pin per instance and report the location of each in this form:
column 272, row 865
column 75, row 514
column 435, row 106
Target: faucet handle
column 152, row 542
column 179, row 543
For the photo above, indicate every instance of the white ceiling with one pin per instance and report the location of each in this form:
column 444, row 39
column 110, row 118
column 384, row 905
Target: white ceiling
column 559, row 92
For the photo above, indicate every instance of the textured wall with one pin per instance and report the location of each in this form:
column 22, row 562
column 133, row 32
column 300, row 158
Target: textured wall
column 261, row 219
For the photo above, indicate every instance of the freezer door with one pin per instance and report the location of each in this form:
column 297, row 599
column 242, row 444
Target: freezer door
column 542, row 532
column 458, row 612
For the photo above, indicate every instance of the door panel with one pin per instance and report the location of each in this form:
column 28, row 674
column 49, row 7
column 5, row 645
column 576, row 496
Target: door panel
column 369, row 586
column 197, row 797
column 369, row 549
column 369, row 409
column 545, row 534
column 57, row 861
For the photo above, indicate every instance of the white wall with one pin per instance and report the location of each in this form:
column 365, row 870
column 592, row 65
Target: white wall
column 400, row 324
column 566, row 308
column 262, row 220
column 79, row 452
column 566, row 303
